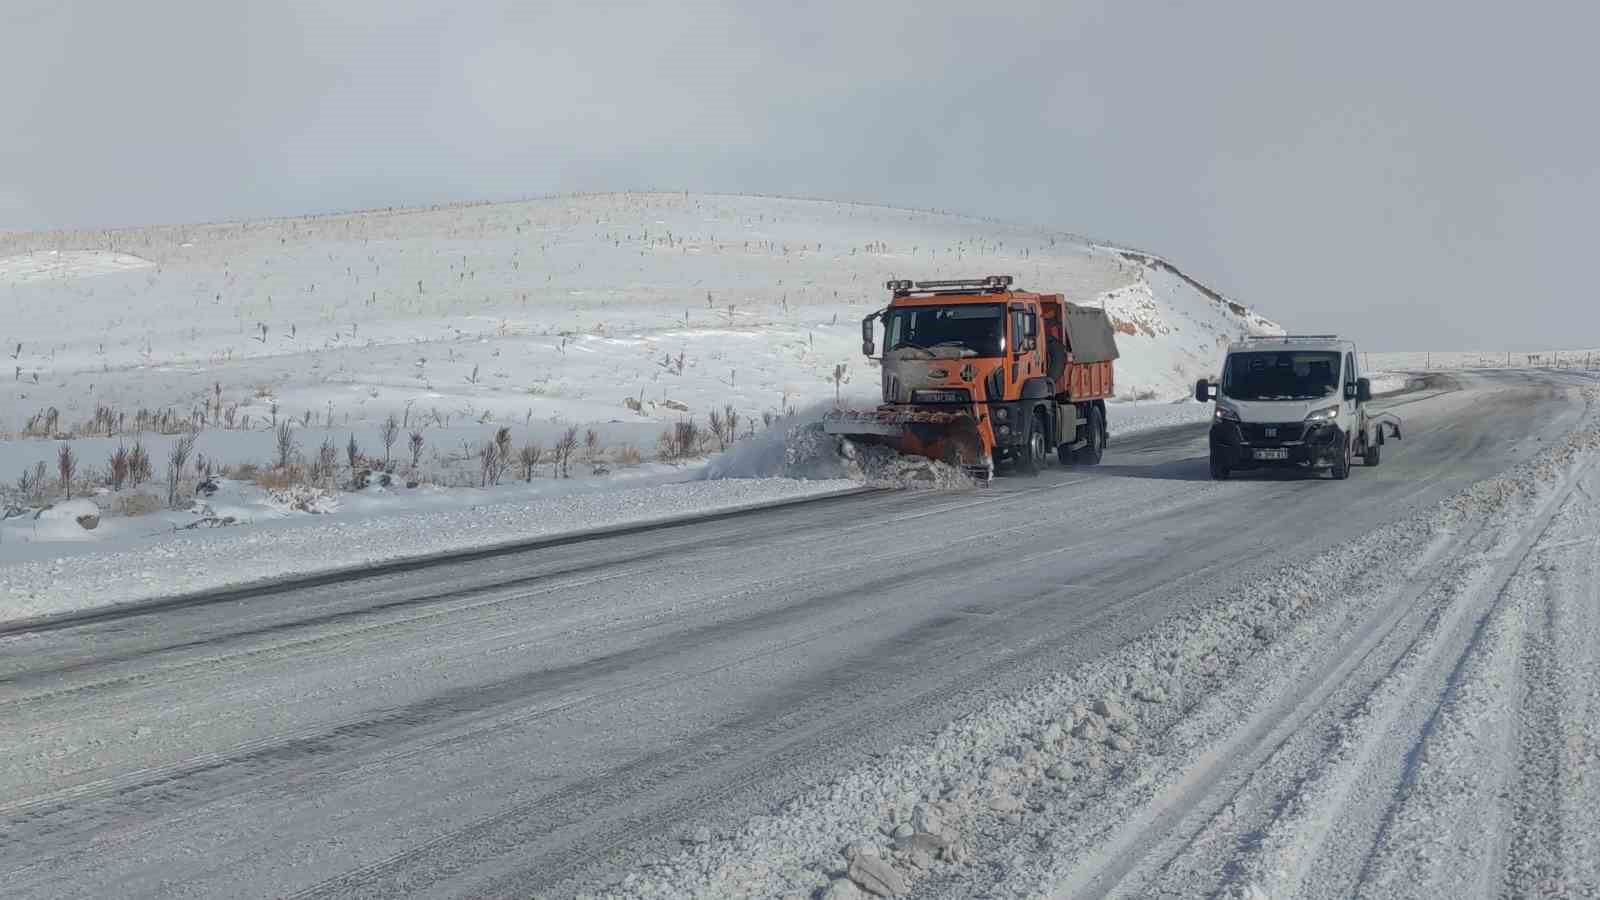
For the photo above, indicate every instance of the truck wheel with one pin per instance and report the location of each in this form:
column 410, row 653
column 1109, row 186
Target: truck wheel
column 1095, row 447
column 1372, row 456
column 1031, row 455
column 1341, row 466
column 1219, row 469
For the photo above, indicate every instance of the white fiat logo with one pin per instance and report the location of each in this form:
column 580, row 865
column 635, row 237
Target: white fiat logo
column 1272, row 432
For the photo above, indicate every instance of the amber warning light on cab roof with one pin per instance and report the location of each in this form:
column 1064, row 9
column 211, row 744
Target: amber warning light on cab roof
column 988, row 285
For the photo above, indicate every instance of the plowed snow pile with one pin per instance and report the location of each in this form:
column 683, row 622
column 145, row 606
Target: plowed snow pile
column 803, row 450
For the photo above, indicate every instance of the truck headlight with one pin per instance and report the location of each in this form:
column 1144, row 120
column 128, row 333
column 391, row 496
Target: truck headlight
column 1001, row 414
column 1327, row 414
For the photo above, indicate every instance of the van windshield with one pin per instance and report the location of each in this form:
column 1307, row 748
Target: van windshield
column 1281, row 375
column 970, row 329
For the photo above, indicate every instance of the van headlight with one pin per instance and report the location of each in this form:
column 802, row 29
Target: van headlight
column 1226, row 413
column 1327, row 414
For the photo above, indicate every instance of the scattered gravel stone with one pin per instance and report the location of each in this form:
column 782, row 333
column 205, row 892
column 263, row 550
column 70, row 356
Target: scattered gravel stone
column 1091, row 728
column 922, row 840
column 1060, row 771
column 877, row 877
column 1109, row 709
column 842, row 889
column 1005, row 804
column 1155, row 694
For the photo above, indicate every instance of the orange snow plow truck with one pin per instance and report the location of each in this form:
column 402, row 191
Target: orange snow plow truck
column 978, row 374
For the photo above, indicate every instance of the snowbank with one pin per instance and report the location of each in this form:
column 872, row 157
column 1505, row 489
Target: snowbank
column 1050, row 791
column 166, row 563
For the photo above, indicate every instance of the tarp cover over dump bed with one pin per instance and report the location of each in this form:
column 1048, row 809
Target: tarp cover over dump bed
column 1090, row 334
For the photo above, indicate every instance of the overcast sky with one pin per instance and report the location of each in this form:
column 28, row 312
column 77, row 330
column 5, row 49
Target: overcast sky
column 1407, row 173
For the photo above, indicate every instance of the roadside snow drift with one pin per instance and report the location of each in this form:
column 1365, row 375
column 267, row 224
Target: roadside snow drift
column 1402, row 715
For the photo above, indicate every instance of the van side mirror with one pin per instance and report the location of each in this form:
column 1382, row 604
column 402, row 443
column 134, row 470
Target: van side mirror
column 868, row 348
column 1363, row 390
column 1202, row 391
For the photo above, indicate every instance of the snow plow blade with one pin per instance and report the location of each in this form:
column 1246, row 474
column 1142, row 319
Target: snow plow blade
column 948, row 437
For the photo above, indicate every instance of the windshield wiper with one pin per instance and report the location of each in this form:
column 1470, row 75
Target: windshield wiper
column 904, row 344
column 965, row 347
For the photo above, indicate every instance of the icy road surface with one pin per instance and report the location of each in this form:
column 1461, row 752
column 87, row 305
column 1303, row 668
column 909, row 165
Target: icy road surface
column 560, row 720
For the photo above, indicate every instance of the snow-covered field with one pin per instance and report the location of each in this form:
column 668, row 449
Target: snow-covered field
column 549, row 309
column 1235, row 749
column 603, row 320
column 56, row 566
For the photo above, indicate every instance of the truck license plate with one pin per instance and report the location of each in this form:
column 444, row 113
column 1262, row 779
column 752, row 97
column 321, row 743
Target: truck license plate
column 1278, row 453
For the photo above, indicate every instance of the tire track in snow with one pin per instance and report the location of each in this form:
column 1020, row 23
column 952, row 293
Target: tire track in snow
column 1552, row 844
column 1209, row 805
column 1328, row 825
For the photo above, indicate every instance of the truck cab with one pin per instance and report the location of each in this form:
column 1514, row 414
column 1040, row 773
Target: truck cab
column 1291, row 401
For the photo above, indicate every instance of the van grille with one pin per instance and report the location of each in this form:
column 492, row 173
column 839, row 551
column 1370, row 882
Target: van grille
column 1272, row 432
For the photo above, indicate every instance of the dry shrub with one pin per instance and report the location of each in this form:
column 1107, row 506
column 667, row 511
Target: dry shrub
column 177, row 460
column 628, row 455
column 284, row 443
column 280, row 479
column 242, row 472
column 117, row 468
column 564, row 450
column 390, row 432
column 682, row 441
column 139, row 470
column 528, row 458
column 489, row 464
column 327, row 461
column 136, row 504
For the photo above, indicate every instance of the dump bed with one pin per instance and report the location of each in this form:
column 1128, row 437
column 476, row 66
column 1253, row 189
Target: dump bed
column 1090, row 334
column 1091, row 347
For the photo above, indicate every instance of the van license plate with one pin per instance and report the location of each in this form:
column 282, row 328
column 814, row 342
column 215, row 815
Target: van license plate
column 1278, row 453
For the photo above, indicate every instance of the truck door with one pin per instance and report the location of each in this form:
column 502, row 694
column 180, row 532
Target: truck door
column 1027, row 358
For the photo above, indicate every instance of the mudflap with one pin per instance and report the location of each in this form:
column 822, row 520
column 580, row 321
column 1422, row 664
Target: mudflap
column 947, row 437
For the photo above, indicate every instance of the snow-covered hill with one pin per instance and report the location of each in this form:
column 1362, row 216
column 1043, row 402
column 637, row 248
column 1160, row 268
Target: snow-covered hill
column 560, row 309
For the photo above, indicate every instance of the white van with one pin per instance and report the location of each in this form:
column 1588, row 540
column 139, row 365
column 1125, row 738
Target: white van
column 1296, row 400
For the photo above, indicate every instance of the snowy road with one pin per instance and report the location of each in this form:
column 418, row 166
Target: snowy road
column 543, row 722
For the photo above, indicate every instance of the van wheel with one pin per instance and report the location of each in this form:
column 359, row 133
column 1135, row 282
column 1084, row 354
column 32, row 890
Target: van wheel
column 1031, row 455
column 1094, row 447
column 1219, row 469
column 1372, row 456
column 1341, row 466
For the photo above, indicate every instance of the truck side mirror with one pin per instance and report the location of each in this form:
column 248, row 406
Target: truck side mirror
column 1202, row 391
column 1363, row 390
column 867, row 346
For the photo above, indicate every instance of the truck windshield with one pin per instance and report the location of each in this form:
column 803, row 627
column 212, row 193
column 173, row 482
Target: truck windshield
column 972, row 329
column 1280, row 375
